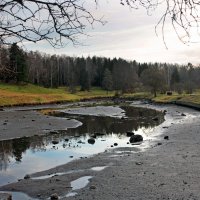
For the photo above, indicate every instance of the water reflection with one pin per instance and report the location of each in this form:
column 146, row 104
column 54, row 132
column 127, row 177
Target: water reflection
column 31, row 154
column 135, row 119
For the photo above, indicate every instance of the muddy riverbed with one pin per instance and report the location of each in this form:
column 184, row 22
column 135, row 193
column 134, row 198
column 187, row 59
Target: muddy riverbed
column 46, row 154
column 60, row 144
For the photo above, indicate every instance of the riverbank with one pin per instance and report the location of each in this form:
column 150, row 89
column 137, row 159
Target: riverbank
column 27, row 95
column 166, row 169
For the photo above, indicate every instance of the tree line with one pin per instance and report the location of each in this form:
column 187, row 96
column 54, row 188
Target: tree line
column 53, row 71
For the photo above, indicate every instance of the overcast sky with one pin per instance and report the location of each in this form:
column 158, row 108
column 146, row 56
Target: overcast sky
column 128, row 34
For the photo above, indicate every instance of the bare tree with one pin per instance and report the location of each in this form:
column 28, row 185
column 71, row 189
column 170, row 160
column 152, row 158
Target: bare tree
column 183, row 15
column 61, row 21
column 57, row 21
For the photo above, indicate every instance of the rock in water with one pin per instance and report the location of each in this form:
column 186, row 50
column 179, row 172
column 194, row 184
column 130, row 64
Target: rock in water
column 136, row 138
column 66, row 139
column 27, row 176
column 55, row 142
column 54, row 196
column 129, row 133
column 91, row 141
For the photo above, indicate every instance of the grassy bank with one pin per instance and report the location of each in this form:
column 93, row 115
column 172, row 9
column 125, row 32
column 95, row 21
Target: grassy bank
column 190, row 98
column 30, row 94
column 11, row 95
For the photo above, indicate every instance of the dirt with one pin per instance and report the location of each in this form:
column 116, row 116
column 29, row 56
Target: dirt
column 165, row 169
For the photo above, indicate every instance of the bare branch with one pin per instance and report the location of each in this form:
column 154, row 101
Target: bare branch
column 57, row 21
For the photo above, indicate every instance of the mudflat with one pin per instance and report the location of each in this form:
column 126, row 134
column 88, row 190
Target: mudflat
column 163, row 169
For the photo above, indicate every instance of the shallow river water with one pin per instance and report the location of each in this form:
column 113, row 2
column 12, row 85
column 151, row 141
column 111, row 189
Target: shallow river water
column 27, row 155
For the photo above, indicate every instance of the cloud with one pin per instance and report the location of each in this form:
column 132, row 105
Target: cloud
column 130, row 35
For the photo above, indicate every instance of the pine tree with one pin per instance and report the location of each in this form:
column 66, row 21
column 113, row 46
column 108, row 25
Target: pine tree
column 107, row 80
column 17, row 64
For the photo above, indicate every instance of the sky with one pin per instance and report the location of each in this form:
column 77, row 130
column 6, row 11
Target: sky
column 129, row 34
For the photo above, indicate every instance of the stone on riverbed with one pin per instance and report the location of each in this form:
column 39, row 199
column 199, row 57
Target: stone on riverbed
column 136, row 138
column 54, row 197
column 55, row 142
column 166, row 137
column 129, row 133
column 27, row 176
column 91, row 140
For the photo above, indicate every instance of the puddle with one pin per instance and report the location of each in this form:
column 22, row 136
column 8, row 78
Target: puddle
column 98, row 168
column 69, row 172
column 80, row 182
column 28, row 155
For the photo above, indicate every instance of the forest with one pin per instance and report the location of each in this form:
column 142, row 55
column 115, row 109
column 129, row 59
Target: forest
column 52, row 71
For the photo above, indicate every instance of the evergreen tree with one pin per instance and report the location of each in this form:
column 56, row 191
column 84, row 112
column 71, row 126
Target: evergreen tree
column 107, row 80
column 17, row 64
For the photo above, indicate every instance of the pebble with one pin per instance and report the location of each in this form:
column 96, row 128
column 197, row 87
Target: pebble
column 166, row 137
column 138, row 163
column 92, row 187
column 27, row 176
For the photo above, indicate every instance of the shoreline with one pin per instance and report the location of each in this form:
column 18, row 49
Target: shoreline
column 115, row 166
column 104, row 98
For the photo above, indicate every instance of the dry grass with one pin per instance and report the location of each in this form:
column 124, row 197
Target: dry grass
column 31, row 94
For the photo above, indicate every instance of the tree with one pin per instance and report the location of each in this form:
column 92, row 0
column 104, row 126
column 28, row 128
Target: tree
column 153, row 78
column 57, row 21
column 17, row 64
column 175, row 80
column 60, row 21
column 4, row 62
column 107, row 80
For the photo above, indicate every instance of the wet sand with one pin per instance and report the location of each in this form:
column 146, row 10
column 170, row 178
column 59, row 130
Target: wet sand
column 165, row 169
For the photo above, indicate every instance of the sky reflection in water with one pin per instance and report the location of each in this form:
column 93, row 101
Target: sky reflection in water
column 32, row 154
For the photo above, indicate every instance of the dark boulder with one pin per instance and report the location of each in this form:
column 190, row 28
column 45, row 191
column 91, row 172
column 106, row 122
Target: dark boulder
column 115, row 144
column 183, row 114
column 66, row 139
column 166, row 137
column 54, row 197
column 129, row 133
column 91, row 140
column 27, row 176
column 136, row 138
column 55, row 142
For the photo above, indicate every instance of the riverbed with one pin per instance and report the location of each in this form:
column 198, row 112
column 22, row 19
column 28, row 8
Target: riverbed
column 52, row 177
